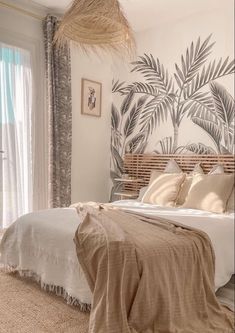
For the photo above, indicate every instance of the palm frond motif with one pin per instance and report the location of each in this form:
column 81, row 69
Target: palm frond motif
column 127, row 102
column 154, row 73
column 212, row 111
column 165, row 146
column 225, row 108
column 195, row 57
column 115, row 117
column 155, row 112
column 117, row 160
column 132, row 120
column 137, row 144
column 224, row 103
column 203, row 98
column 116, row 136
column 117, row 86
column 201, row 105
column 200, row 148
column 210, row 73
column 212, row 129
column 141, row 88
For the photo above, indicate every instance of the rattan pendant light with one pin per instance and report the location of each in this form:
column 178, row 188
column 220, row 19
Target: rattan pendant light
column 93, row 24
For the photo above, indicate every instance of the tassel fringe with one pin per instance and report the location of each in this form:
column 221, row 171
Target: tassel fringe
column 57, row 290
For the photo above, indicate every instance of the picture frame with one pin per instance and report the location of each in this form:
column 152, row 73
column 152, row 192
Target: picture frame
column 91, row 99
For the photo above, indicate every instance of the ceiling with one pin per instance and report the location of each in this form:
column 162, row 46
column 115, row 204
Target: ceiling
column 145, row 14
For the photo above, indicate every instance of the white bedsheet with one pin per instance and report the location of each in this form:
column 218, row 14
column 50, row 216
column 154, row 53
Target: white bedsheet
column 219, row 228
column 42, row 242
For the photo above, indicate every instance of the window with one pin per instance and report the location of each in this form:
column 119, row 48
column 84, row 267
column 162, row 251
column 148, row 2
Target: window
column 15, row 133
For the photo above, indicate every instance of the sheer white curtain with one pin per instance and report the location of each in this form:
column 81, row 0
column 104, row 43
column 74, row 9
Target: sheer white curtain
column 15, row 131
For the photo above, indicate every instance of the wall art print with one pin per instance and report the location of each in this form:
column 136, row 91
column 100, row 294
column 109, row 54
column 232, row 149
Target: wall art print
column 192, row 92
column 91, row 98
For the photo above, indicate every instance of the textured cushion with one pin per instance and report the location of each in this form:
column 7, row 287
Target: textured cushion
column 197, row 169
column 217, row 170
column 187, row 184
column 154, row 175
column 142, row 192
column 172, row 167
column 210, row 192
column 164, row 189
column 230, row 205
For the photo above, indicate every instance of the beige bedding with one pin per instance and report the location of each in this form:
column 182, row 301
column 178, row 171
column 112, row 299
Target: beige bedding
column 148, row 275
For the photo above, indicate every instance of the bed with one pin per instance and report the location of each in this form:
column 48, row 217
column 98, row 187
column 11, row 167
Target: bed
column 34, row 249
column 40, row 245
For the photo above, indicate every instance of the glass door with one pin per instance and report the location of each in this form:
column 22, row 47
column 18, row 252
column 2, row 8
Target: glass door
column 15, row 133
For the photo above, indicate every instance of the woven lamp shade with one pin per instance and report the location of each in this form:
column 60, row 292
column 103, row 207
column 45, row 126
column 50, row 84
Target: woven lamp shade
column 97, row 24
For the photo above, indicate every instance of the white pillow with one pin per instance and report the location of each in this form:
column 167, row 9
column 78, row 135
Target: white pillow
column 172, row 167
column 142, row 193
column 197, row 169
column 217, row 170
column 210, row 192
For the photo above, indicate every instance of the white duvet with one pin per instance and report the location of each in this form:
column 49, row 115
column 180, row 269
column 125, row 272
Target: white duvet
column 41, row 243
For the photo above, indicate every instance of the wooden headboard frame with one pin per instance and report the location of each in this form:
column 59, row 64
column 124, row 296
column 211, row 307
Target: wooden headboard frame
column 139, row 166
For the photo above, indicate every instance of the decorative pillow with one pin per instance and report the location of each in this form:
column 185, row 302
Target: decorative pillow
column 154, row 175
column 231, row 203
column 172, row 167
column 187, row 184
column 197, row 169
column 217, row 170
column 142, row 192
column 209, row 192
column 164, row 189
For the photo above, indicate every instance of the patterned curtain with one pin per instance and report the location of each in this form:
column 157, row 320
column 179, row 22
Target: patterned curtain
column 58, row 75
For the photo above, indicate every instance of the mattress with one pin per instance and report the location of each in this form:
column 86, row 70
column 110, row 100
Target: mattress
column 41, row 245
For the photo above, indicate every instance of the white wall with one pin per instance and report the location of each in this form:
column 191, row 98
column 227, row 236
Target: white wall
column 91, row 135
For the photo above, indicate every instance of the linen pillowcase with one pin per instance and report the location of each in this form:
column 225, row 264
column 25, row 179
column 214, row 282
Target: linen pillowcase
column 187, row 184
column 217, row 170
column 154, row 175
column 231, row 203
column 164, row 189
column 142, row 193
column 209, row 192
column 197, row 169
column 172, row 167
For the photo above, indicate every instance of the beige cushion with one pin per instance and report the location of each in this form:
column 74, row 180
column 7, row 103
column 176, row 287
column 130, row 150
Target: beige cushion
column 172, row 167
column 230, row 205
column 154, row 175
column 197, row 169
column 184, row 190
column 187, row 184
column 164, row 189
column 209, row 192
column 217, row 170
column 142, row 192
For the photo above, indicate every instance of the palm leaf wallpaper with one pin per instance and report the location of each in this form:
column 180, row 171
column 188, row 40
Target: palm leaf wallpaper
column 191, row 92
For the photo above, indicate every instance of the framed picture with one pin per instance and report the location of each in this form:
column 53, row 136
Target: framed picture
column 91, row 97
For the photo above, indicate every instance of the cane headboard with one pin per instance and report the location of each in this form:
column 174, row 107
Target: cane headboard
column 139, row 166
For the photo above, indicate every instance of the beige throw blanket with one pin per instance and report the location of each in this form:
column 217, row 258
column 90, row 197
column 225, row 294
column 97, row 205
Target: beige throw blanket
column 148, row 275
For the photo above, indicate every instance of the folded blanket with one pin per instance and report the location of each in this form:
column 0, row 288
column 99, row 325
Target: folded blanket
column 148, row 275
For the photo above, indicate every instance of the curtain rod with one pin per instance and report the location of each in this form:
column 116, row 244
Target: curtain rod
column 21, row 10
